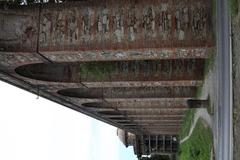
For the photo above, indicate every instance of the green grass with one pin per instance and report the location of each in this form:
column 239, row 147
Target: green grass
column 209, row 62
column 213, row 19
column 198, row 146
column 188, row 120
column 214, row 9
column 199, row 92
column 233, row 5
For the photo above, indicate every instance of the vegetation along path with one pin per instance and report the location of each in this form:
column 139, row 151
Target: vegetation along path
column 200, row 113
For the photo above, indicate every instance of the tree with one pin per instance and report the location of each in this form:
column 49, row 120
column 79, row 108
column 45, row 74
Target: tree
column 156, row 157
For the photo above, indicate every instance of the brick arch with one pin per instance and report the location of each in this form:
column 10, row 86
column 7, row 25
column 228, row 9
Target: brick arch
column 115, row 71
column 131, row 92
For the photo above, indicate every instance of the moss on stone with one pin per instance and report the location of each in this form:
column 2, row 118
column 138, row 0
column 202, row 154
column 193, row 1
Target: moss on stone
column 98, row 70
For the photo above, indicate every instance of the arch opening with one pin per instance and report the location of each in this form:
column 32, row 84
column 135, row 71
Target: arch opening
column 130, row 92
column 113, row 71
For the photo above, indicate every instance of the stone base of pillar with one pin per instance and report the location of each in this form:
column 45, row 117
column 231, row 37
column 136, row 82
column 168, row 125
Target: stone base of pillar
column 196, row 103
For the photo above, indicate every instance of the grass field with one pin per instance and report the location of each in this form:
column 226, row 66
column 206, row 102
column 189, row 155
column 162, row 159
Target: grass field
column 198, row 146
column 189, row 118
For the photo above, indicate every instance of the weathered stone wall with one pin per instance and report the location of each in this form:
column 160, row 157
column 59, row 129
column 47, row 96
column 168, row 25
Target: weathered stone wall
column 19, row 29
column 109, row 30
column 133, row 104
column 132, row 92
column 125, row 24
column 129, row 63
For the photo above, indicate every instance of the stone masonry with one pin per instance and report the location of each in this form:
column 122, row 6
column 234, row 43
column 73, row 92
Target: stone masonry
column 130, row 63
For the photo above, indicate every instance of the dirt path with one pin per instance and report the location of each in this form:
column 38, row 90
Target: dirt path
column 200, row 113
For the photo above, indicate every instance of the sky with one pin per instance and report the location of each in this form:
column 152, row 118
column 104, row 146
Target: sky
column 34, row 128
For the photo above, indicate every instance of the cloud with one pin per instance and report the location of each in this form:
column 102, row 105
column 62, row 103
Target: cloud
column 42, row 130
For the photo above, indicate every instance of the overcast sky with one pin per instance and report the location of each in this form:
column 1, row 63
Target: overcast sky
column 38, row 129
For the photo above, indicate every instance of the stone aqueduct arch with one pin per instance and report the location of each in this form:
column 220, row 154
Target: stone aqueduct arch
column 132, row 64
